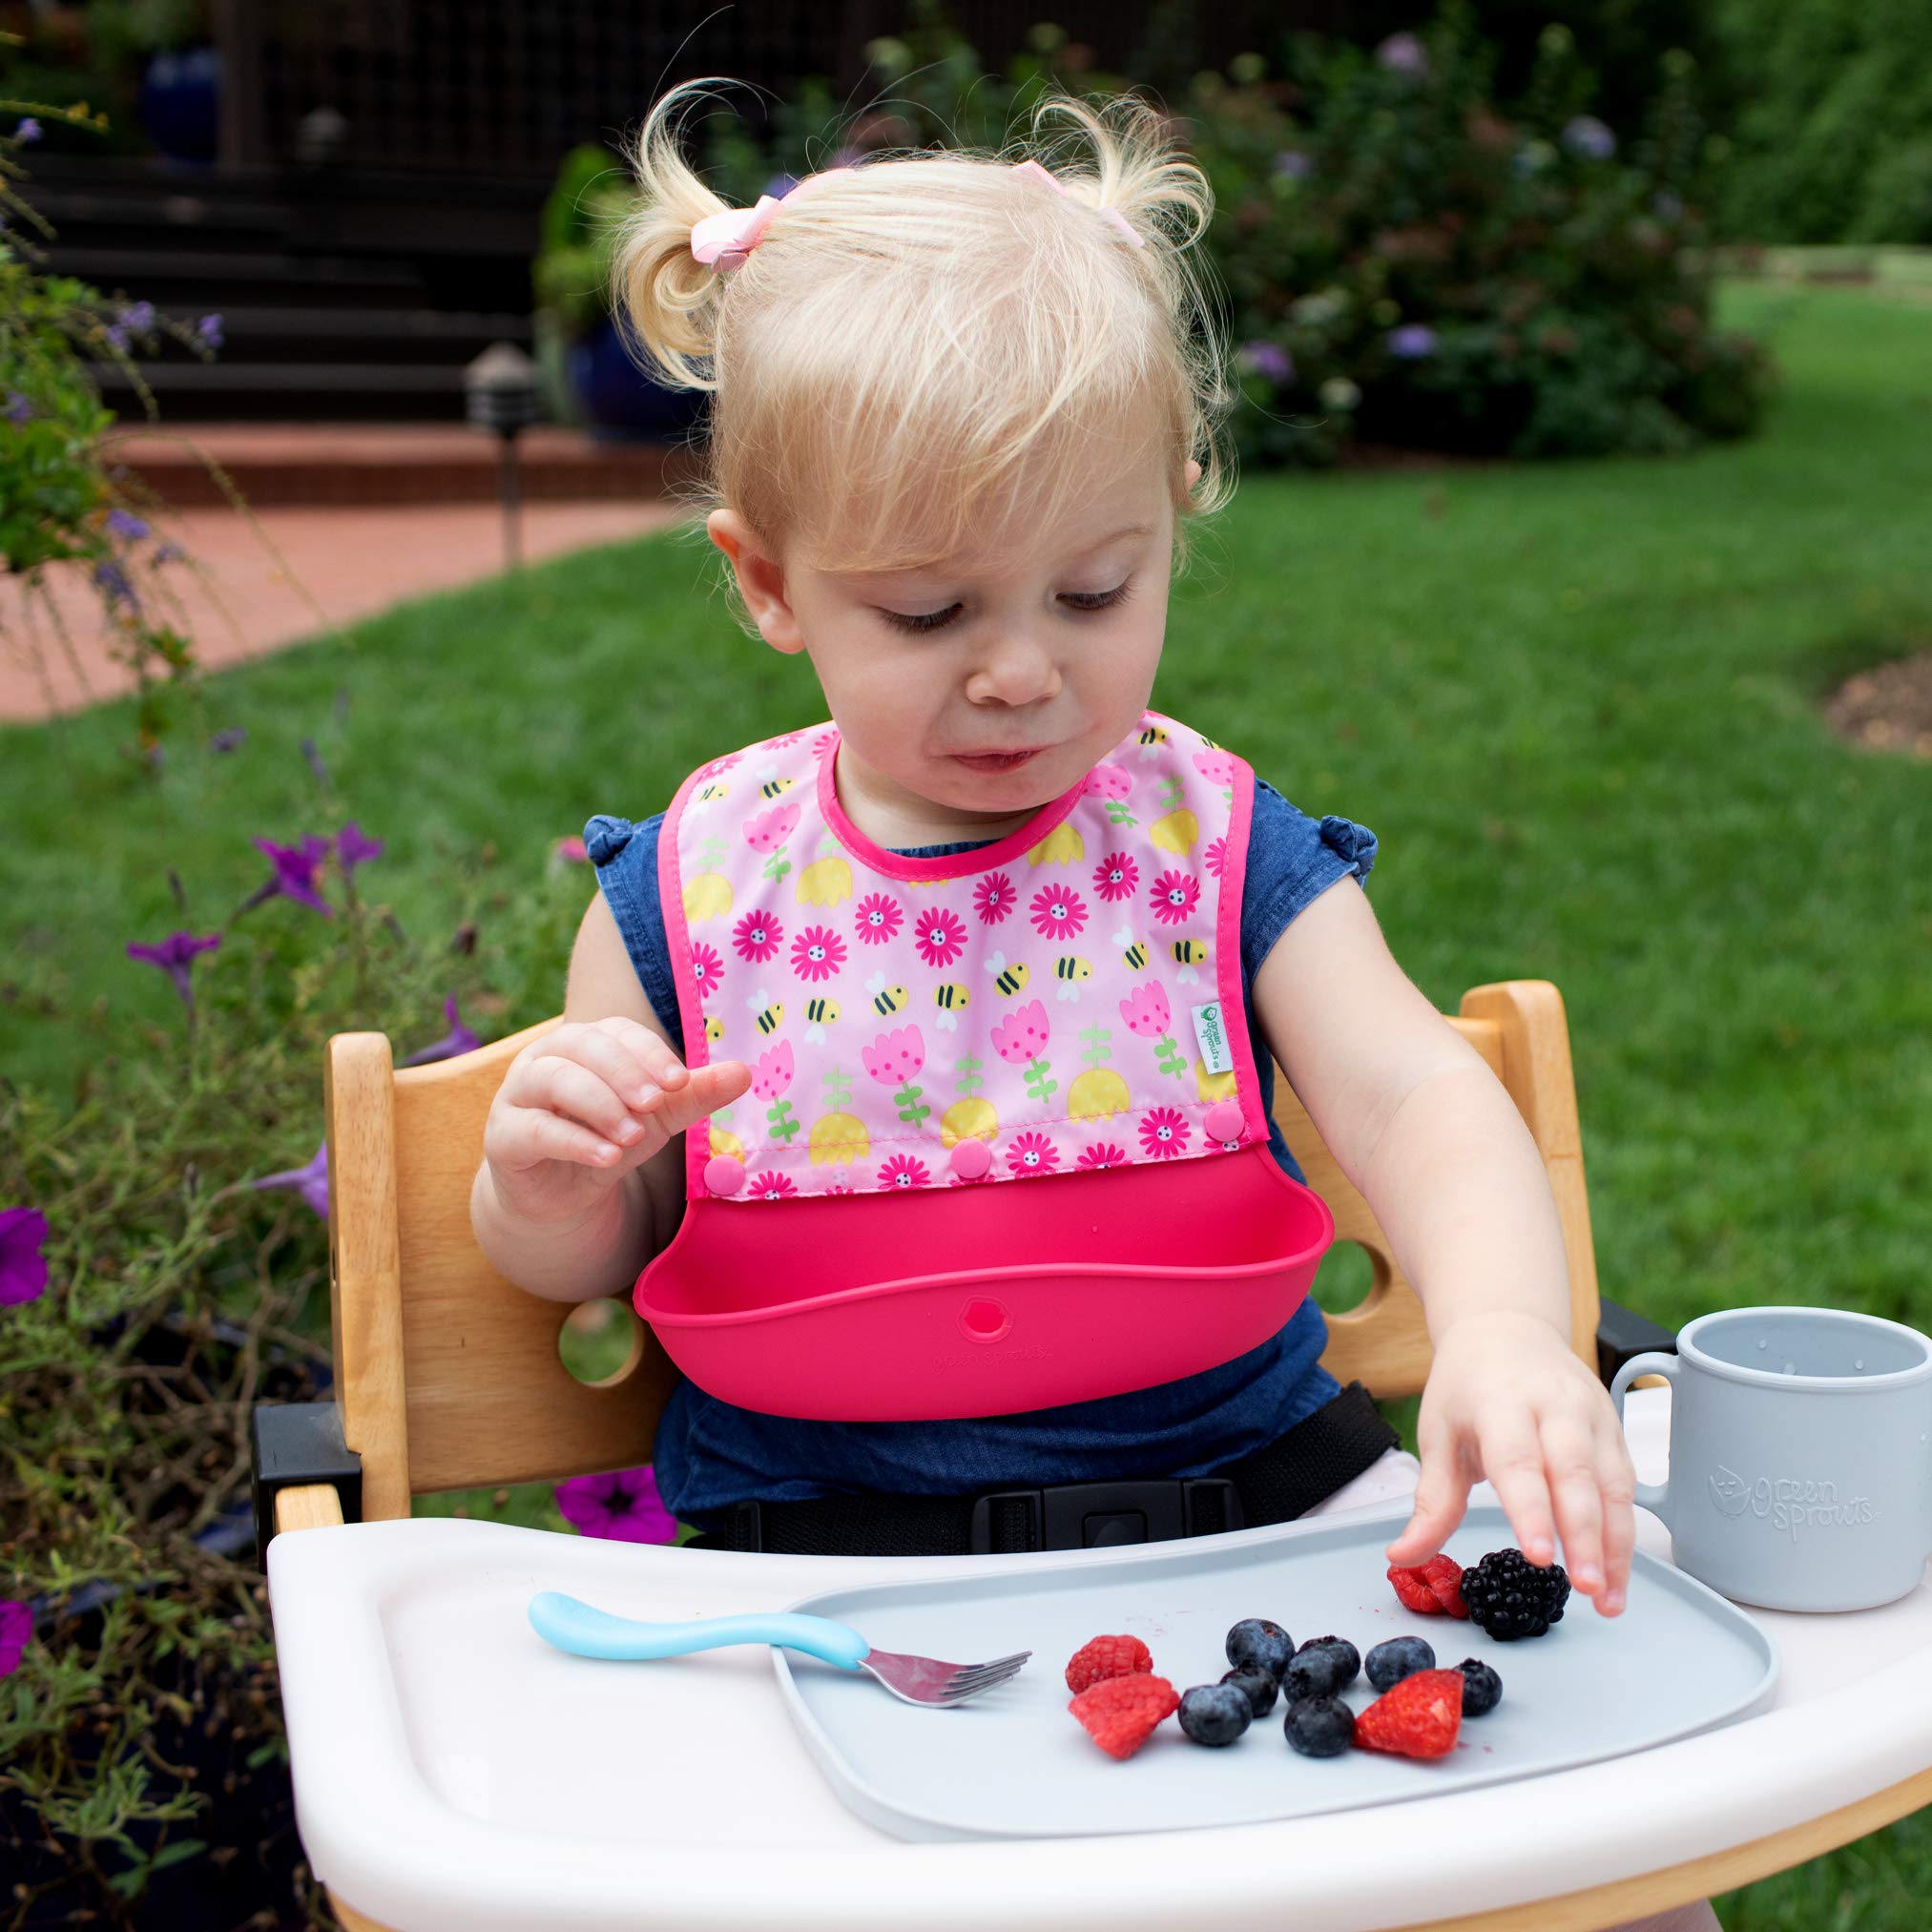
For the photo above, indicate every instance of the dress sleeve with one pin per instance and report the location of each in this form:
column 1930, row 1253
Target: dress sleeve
column 1292, row 861
column 625, row 858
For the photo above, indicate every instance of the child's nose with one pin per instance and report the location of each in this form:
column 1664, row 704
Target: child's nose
column 1018, row 668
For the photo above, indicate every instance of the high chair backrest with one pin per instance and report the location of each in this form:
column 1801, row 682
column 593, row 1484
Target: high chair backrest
column 450, row 1376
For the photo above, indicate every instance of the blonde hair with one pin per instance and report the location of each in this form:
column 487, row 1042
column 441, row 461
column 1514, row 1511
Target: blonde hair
column 905, row 337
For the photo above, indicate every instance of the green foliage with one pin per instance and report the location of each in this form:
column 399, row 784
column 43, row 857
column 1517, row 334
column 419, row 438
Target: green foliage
column 1834, row 125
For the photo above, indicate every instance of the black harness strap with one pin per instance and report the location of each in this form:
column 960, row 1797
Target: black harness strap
column 1276, row 1485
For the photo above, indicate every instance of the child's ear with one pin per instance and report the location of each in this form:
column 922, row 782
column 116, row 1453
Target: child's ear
column 760, row 580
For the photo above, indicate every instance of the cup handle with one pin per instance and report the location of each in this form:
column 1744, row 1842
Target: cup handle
column 1650, row 1496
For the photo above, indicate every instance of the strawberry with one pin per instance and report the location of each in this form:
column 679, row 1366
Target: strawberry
column 1418, row 1717
column 1412, row 1585
column 1101, row 1657
column 1444, row 1576
column 1121, row 1714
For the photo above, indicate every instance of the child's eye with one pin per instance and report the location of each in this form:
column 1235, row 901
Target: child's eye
column 1095, row 600
column 929, row 620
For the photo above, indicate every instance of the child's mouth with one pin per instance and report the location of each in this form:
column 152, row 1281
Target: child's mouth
column 994, row 762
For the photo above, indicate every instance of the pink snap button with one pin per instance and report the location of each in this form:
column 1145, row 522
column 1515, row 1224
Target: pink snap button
column 723, row 1175
column 971, row 1158
column 1224, row 1120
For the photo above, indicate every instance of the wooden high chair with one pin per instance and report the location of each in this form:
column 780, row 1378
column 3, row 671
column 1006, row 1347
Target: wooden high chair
column 446, row 1376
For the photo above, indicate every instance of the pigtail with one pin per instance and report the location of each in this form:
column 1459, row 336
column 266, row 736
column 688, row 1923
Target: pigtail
column 665, row 301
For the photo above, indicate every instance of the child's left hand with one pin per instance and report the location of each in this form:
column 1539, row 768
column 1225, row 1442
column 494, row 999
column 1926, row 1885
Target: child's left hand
column 1508, row 1400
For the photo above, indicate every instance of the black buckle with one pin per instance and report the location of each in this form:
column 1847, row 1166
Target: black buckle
column 1100, row 1515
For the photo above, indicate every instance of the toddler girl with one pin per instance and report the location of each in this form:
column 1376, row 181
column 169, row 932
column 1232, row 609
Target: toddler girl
column 997, row 921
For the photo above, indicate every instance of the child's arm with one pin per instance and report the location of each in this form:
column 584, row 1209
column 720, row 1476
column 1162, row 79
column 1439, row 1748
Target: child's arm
column 1430, row 1138
column 581, row 1179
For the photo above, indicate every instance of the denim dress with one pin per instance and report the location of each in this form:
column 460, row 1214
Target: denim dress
column 711, row 1454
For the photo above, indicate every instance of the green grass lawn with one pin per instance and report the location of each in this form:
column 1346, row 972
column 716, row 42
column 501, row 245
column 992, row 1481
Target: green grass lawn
column 1577, row 703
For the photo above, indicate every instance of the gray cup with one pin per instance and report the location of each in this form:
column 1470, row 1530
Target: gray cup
column 1800, row 1456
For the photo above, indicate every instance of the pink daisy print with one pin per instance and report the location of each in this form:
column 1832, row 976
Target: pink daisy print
column 939, row 935
column 821, row 745
column 993, row 897
column 707, row 969
column 1175, row 895
column 1032, row 1153
column 768, row 1184
column 1058, row 913
column 1116, row 877
column 757, row 936
column 879, row 919
column 1216, row 856
column 785, row 740
column 901, row 1171
column 818, row 953
column 1163, row 1132
column 1101, row 1153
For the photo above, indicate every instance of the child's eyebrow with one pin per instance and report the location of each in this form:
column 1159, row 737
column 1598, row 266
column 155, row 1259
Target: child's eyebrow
column 939, row 571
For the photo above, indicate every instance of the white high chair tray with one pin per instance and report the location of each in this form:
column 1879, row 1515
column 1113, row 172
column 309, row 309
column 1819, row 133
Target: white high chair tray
column 452, row 1771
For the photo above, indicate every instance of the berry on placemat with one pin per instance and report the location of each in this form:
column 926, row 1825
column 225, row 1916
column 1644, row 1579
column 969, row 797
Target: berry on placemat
column 1412, row 1587
column 1321, row 1668
column 1256, row 1644
column 1215, row 1714
column 1444, row 1576
column 1259, row 1685
column 1121, row 1714
column 1100, row 1657
column 1320, row 1727
column 1510, row 1597
column 1430, row 1589
column 1400, row 1657
column 1420, row 1717
column 1482, row 1688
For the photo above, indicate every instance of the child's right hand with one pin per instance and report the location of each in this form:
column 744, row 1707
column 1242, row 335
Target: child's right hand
column 587, row 1103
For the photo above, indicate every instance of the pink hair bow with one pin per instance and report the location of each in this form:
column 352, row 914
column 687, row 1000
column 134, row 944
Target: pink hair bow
column 1113, row 217
column 723, row 240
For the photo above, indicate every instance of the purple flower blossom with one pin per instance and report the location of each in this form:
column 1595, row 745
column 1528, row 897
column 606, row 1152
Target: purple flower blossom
column 1412, row 341
column 353, row 846
column 571, row 850
column 28, row 132
column 458, row 1039
column 118, row 336
column 23, row 1267
column 209, row 330
column 621, row 1504
column 315, row 763
column 124, row 523
column 310, row 1182
column 138, row 318
column 1294, row 163
column 175, row 957
column 1586, row 135
column 1403, row 53
column 167, row 552
column 17, row 1627
column 19, row 408
column 294, row 869
column 1269, row 359
column 227, row 739
column 112, row 581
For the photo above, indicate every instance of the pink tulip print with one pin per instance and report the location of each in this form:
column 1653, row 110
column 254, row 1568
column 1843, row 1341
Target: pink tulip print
column 767, row 831
column 1217, row 767
column 1021, row 1040
column 898, row 1055
column 1107, row 781
column 773, row 1073
column 1145, row 1010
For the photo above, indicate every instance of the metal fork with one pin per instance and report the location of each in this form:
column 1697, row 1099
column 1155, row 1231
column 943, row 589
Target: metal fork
column 586, row 1631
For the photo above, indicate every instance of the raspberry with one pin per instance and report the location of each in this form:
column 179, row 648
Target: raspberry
column 1101, row 1657
column 1420, row 1717
column 1444, row 1576
column 1121, row 1714
column 1412, row 1585
column 1510, row 1597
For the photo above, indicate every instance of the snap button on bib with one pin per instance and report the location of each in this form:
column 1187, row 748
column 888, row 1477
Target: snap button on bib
column 970, row 1159
column 1223, row 1120
column 723, row 1175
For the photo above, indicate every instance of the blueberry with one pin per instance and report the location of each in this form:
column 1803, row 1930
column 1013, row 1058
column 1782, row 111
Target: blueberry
column 1257, row 1644
column 1215, row 1714
column 1321, row 1668
column 1320, row 1727
column 1260, row 1687
column 1400, row 1657
column 1482, row 1688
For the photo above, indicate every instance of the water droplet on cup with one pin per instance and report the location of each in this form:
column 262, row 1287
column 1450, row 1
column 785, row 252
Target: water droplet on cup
column 1790, row 1368
column 1860, row 1363
column 1764, row 1344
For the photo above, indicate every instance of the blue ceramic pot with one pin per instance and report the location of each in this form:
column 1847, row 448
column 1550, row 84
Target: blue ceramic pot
column 619, row 401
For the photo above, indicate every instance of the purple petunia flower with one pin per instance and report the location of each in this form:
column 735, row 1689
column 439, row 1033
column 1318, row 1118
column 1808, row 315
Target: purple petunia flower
column 209, row 330
column 1587, row 136
column 112, row 583
column 1412, row 341
column 138, row 318
column 295, row 868
column 1403, row 53
column 1294, row 163
column 1269, row 359
column 228, row 739
column 19, row 408
column 117, row 336
column 310, row 1182
column 174, row 956
column 23, row 1267
column 124, row 523
column 622, row 1504
column 353, row 846
column 458, row 1039
column 17, row 1627
column 28, row 132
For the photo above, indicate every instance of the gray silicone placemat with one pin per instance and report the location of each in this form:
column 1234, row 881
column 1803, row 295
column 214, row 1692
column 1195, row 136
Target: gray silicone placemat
column 1016, row 1764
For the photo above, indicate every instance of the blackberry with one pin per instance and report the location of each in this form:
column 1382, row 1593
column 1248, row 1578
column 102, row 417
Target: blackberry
column 1389, row 1663
column 1260, row 1687
column 1508, row 1596
column 1254, row 1644
column 1482, row 1688
column 1320, row 1727
column 1322, row 1668
column 1215, row 1714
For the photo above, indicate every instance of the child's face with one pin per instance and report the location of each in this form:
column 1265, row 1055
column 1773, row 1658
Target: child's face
column 988, row 685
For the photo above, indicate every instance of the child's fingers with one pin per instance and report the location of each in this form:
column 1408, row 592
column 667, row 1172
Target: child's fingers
column 708, row 1089
column 1512, row 1460
column 516, row 1138
column 1442, row 1496
column 1569, row 1468
column 664, row 1072
column 553, row 1084
column 1617, row 1476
